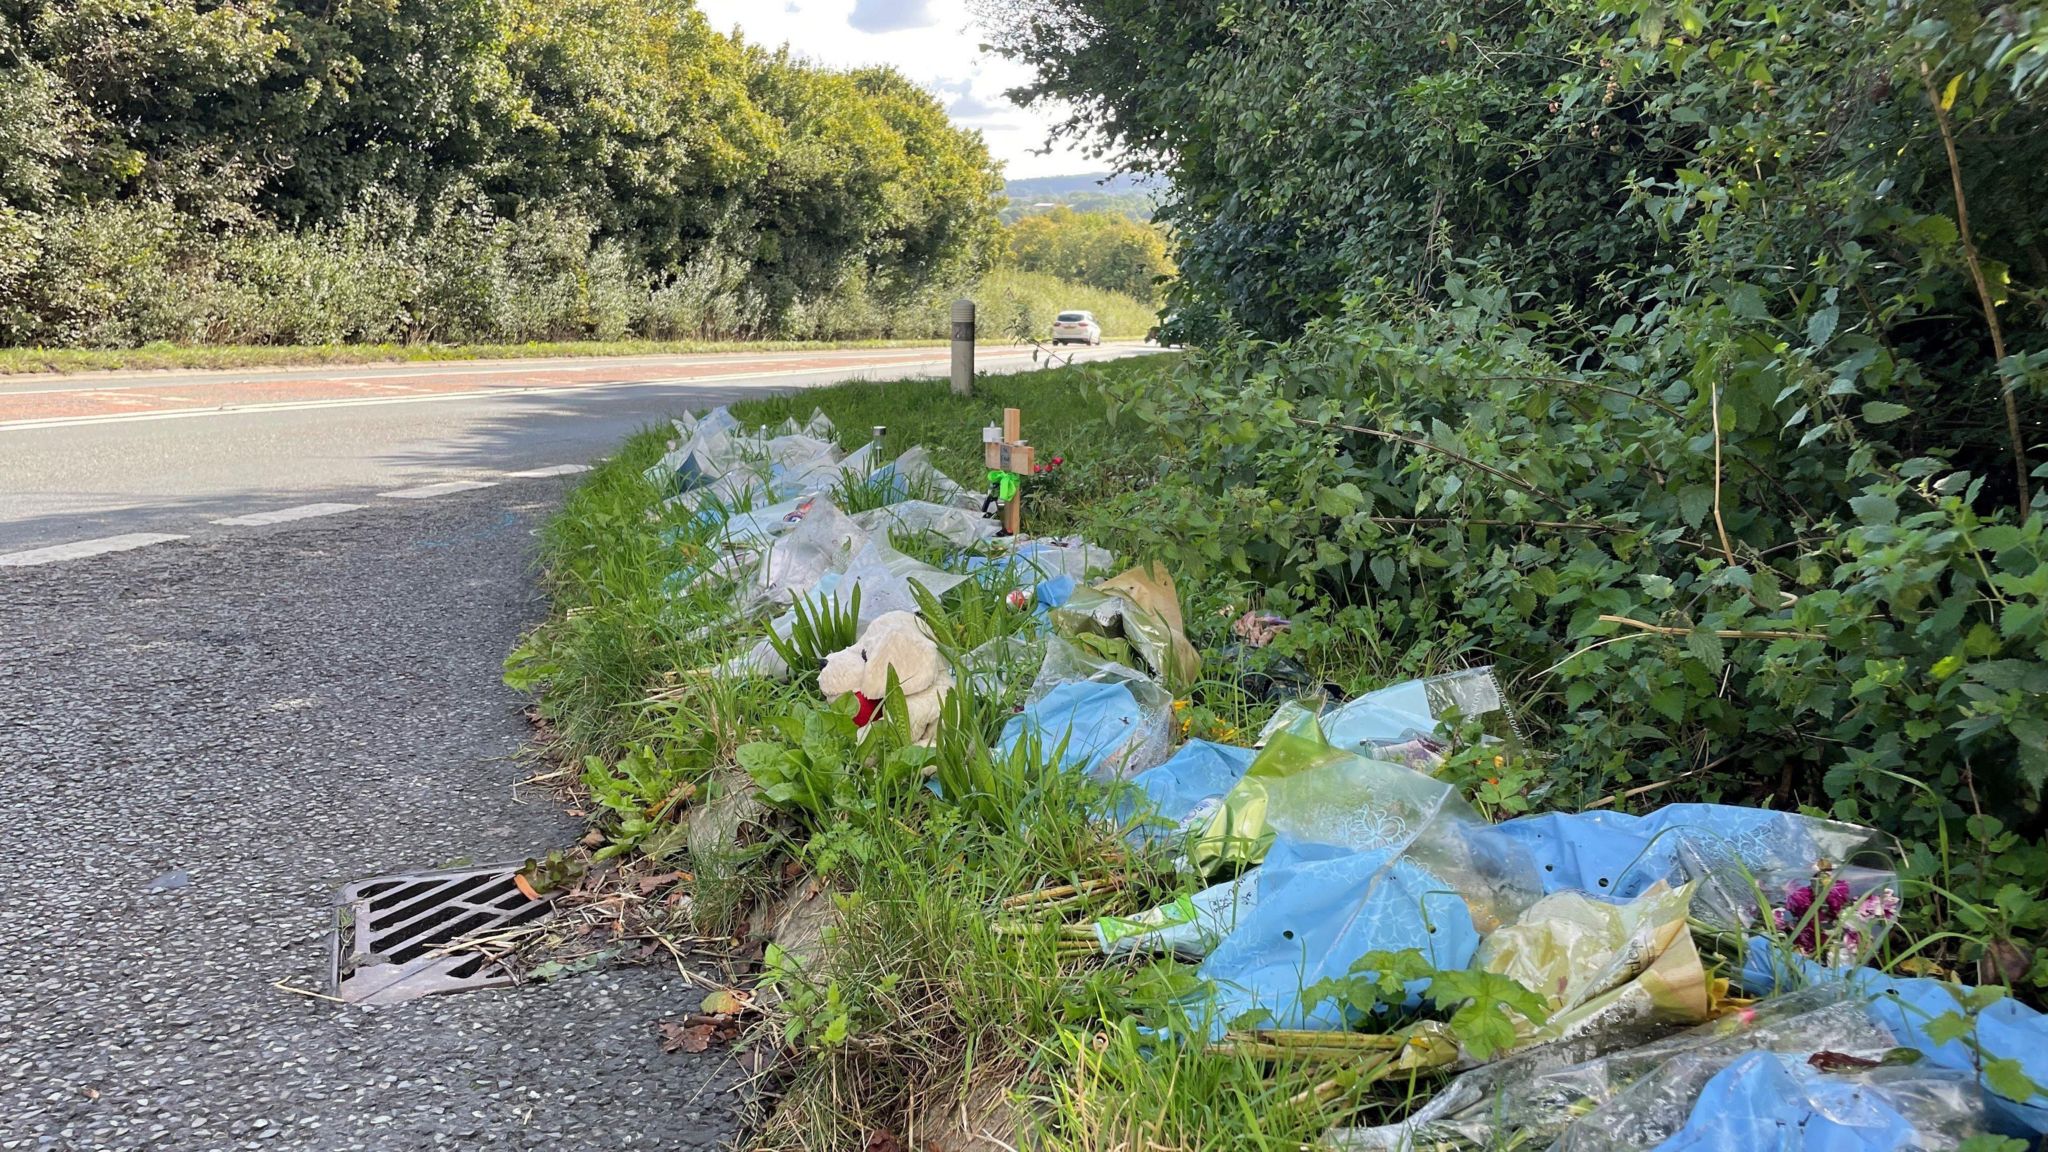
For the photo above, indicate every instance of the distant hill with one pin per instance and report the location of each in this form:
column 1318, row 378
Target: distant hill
column 1088, row 192
column 1050, row 187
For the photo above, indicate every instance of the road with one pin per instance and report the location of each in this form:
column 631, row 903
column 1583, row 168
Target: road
column 207, row 728
column 202, row 741
column 85, row 458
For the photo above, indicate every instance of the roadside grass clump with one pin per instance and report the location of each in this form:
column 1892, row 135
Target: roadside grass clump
column 936, row 978
column 819, row 627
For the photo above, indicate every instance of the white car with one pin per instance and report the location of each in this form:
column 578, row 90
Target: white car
column 1076, row 328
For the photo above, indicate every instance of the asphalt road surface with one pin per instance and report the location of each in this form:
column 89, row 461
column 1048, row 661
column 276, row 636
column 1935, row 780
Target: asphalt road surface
column 202, row 741
column 84, row 458
column 207, row 728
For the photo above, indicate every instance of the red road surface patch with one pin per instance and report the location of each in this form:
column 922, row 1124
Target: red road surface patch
column 83, row 402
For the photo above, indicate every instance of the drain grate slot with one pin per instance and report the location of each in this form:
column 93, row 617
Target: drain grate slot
column 393, row 935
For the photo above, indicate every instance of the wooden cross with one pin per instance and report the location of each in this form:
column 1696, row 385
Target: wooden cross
column 1013, row 454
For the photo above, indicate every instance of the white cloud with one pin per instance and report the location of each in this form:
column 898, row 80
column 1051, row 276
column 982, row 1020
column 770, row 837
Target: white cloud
column 933, row 42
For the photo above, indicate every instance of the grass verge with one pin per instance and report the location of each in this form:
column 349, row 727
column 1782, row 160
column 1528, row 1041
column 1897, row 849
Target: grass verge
column 163, row 357
column 948, row 998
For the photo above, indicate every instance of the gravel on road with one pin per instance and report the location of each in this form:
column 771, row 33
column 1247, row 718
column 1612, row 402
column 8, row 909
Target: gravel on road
column 201, row 741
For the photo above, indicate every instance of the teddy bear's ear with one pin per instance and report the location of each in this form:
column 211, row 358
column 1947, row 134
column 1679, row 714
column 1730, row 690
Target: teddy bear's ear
column 910, row 654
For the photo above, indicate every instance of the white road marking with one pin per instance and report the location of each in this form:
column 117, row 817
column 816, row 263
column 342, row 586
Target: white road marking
column 556, row 470
column 301, row 512
column 83, row 548
column 442, row 489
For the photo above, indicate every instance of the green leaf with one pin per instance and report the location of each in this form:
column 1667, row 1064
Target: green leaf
column 1884, row 412
column 2010, row 675
column 1874, row 509
column 1821, row 325
column 1487, row 1004
column 1987, row 1142
column 1706, row 648
column 2008, row 1077
column 1340, row 500
column 1694, row 502
column 835, row 1032
column 1764, row 586
column 1670, row 702
column 1950, row 1026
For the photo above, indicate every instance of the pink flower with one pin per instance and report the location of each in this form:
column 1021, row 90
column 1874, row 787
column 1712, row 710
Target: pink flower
column 1798, row 913
column 1844, row 922
column 1882, row 904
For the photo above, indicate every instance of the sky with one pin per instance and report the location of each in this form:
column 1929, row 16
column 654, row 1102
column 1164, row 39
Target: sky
column 933, row 42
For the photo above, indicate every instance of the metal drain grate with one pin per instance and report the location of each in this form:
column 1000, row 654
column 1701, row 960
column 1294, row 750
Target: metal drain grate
column 391, row 932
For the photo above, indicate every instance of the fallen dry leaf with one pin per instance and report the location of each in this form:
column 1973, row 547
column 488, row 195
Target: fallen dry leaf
column 726, row 1002
column 2005, row 961
column 651, row 884
column 883, row 1140
column 698, row 1032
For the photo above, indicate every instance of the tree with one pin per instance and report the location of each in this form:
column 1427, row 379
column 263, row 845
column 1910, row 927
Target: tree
column 637, row 112
column 1107, row 250
column 161, row 160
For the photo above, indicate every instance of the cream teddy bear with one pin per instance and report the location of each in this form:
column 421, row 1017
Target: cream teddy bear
column 898, row 641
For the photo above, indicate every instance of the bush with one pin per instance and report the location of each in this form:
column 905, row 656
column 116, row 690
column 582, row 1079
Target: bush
column 1691, row 605
column 555, row 282
column 126, row 275
column 118, row 274
column 707, row 299
column 1686, row 363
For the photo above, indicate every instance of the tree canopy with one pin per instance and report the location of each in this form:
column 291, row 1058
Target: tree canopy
column 189, row 127
column 1107, row 250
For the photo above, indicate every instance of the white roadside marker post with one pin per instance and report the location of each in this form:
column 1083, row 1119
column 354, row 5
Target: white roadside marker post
column 963, row 347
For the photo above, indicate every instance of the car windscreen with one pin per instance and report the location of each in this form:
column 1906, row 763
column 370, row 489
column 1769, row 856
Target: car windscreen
column 1072, row 317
